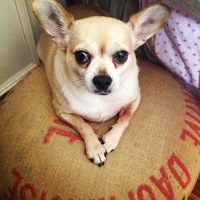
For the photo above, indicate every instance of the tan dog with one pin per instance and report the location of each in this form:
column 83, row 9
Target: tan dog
column 92, row 69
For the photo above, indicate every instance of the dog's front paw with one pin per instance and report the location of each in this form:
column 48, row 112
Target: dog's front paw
column 110, row 141
column 96, row 154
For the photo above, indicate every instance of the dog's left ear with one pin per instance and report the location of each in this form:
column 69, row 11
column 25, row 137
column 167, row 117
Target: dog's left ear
column 54, row 19
column 148, row 21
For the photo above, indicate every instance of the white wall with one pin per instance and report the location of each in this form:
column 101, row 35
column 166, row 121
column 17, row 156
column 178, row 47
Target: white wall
column 17, row 46
column 19, row 33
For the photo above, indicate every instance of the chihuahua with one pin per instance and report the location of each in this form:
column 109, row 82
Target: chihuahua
column 92, row 69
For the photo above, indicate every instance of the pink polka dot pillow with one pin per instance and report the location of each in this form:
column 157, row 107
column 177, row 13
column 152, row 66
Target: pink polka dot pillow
column 177, row 45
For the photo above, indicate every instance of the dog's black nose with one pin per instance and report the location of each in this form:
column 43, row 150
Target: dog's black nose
column 102, row 82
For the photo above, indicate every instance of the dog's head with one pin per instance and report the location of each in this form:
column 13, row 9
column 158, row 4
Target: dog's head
column 99, row 50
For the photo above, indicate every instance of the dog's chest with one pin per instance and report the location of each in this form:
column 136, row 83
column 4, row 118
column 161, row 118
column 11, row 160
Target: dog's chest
column 98, row 108
column 98, row 112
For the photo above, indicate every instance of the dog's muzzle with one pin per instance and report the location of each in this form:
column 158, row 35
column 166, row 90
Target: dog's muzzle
column 102, row 84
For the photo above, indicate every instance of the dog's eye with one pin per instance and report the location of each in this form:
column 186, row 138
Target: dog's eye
column 120, row 57
column 82, row 57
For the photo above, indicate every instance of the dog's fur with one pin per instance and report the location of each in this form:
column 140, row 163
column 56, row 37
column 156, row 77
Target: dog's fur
column 92, row 69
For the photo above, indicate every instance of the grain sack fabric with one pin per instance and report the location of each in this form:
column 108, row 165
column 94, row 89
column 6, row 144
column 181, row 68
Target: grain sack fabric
column 43, row 158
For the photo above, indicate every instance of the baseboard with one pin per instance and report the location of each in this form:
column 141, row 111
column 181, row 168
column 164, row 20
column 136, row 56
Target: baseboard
column 10, row 83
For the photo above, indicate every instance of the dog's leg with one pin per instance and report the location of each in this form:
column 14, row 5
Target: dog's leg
column 112, row 138
column 95, row 150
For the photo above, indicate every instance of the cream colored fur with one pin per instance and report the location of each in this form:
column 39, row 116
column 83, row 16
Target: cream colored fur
column 103, row 40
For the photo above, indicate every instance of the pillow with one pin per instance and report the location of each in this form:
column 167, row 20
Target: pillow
column 44, row 158
column 176, row 46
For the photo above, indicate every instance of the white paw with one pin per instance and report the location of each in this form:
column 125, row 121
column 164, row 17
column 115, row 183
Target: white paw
column 96, row 153
column 110, row 141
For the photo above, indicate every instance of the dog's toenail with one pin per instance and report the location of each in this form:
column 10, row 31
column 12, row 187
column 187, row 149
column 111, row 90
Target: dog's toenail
column 101, row 141
column 91, row 159
column 105, row 154
column 110, row 128
column 99, row 164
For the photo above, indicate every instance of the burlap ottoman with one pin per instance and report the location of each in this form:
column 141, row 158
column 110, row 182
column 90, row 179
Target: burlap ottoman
column 43, row 158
